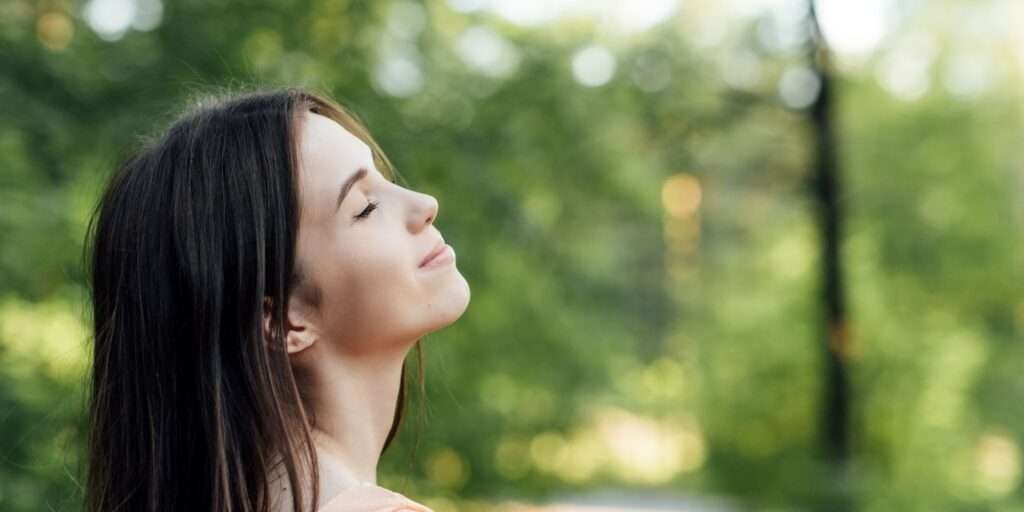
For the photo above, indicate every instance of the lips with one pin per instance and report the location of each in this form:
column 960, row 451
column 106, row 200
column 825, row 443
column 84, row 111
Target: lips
column 436, row 251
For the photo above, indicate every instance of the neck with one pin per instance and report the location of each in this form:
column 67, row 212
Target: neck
column 354, row 400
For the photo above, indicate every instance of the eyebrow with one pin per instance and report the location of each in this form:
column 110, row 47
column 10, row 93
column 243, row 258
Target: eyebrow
column 345, row 187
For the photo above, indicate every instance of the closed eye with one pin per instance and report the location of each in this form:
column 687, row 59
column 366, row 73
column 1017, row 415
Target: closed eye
column 366, row 212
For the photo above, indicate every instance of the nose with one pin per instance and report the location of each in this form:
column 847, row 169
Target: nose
column 423, row 211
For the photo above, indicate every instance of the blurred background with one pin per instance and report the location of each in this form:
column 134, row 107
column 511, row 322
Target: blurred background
column 719, row 262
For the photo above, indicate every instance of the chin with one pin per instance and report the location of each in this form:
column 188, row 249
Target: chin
column 451, row 303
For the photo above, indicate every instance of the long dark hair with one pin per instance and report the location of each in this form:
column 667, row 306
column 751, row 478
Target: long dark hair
column 191, row 407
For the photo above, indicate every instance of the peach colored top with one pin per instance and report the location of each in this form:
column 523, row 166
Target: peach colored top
column 371, row 498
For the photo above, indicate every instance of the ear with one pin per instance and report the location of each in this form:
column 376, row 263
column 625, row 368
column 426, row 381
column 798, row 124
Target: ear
column 299, row 331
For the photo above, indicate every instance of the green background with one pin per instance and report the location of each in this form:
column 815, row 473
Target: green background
column 642, row 246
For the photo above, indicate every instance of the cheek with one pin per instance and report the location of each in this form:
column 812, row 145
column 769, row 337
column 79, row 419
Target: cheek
column 370, row 289
column 380, row 279
column 380, row 262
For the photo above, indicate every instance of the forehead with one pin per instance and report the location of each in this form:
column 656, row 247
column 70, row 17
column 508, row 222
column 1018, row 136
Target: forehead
column 328, row 155
column 325, row 144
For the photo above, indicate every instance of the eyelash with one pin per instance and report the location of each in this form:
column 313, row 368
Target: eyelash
column 369, row 208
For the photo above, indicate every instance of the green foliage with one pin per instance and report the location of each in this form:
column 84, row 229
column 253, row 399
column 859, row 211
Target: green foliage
column 643, row 255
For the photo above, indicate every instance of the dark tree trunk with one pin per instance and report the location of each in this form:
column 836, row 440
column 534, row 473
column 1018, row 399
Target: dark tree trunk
column 827, row 189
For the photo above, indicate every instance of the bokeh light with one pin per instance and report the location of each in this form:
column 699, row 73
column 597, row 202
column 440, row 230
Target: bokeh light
column 593, row 66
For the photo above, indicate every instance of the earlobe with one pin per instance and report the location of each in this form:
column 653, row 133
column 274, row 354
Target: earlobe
column 299, row 339
column 298, row 336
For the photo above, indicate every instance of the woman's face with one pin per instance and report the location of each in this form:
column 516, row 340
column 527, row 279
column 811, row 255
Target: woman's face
column 365, row 259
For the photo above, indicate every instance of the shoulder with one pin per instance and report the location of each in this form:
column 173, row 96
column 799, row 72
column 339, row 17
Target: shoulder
column 371, row 498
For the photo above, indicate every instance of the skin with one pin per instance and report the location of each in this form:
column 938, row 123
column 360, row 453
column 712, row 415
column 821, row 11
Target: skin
column 376, row 301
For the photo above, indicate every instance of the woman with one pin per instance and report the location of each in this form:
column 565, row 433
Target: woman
column 258, row 279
